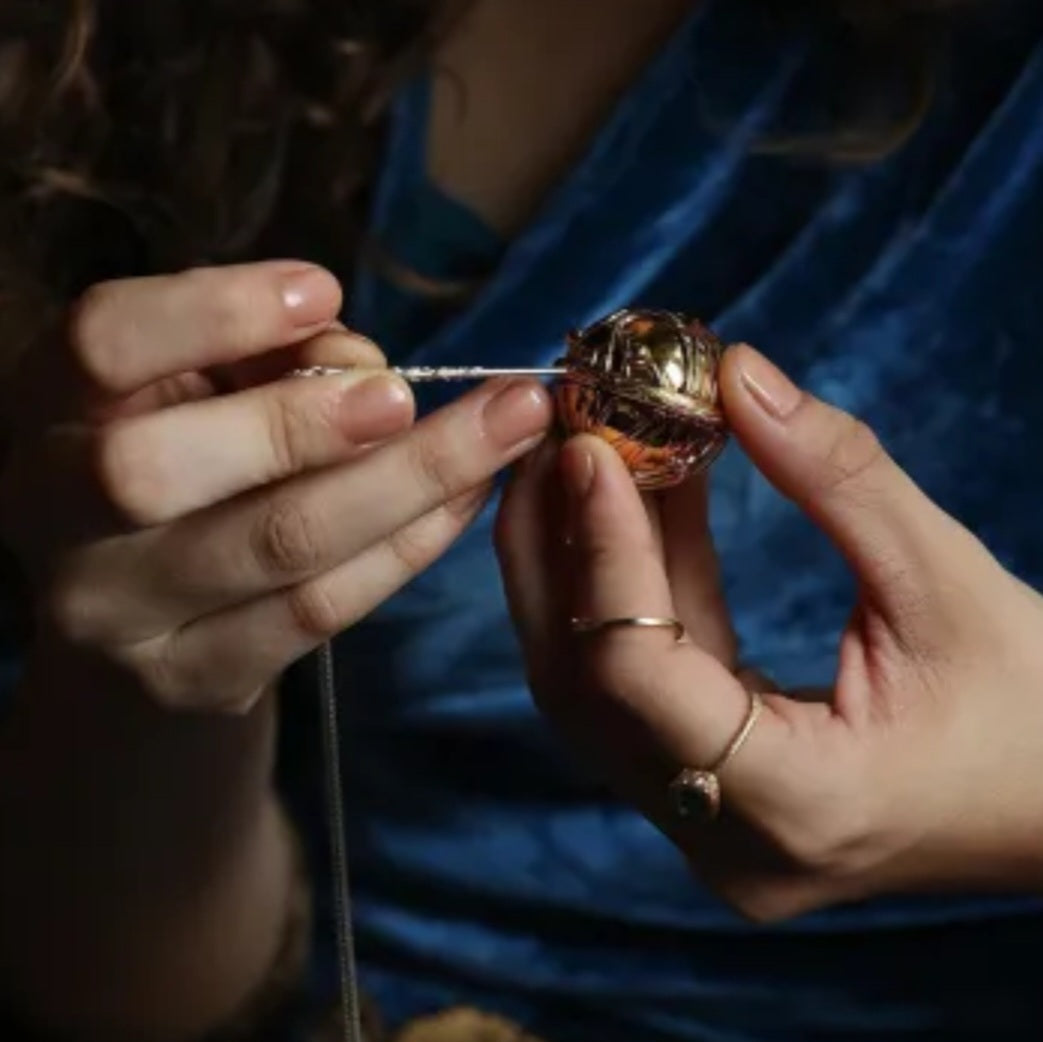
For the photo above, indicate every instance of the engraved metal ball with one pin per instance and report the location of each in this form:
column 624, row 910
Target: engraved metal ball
column 646, row 382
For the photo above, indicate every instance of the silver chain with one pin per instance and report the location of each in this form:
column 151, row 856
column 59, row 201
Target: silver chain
column 331, row 769
column 340, row 881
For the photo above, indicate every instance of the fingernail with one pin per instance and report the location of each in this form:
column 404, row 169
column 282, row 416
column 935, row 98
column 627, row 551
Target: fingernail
column 772, row 390
column 517, row 413
column 376, row 408
column 311, row 297
column 577, row 466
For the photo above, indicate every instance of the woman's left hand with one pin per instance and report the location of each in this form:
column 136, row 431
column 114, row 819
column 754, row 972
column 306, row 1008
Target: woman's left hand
column 921, row 769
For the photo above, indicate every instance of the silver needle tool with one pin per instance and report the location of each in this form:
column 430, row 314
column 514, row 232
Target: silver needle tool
column 419, row 374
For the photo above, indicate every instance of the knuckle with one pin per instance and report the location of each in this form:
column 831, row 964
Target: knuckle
column 129, row 482
column 289, row 427
column 230, row 311
column 165, row 683
column 833, row 837
column 436, row 467
column 177, row 681
column 853, row 453
column 92, row 336
column 617, row 667
column 167, row 679
column 463, row 508
column 314, row 610
column 414, row 546
column 72, row 609
column 288, row 541
column 408, row 550
column 915, row 608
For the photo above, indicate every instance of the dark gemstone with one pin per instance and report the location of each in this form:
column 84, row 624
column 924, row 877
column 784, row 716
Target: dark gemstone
column 695, row 795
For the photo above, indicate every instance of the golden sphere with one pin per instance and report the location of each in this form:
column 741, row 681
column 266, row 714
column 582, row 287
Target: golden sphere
column 646, row 382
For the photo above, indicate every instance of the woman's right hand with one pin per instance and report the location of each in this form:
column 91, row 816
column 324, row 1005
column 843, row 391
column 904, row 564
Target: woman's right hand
column 202, row 541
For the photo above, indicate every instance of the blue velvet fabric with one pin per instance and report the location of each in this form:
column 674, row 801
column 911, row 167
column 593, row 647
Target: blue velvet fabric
column 909, row 291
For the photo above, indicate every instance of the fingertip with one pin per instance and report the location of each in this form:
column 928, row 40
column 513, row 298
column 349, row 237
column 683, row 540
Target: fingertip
column 590, row 465
column 400, row 391
column 340, row 347
column 604, row 505
column 577, row 467
column 311, row 295
column 375, row 405
column 729, row 378
column 754, row 389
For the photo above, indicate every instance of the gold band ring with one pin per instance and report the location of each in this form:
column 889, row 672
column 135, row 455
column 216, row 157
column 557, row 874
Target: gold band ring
column 696, row 792
column 591, row 626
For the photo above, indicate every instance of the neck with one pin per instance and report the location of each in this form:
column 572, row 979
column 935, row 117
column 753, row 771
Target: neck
column 527, row 84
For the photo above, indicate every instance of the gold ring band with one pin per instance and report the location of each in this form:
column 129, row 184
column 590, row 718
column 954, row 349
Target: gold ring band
column 696, row 792
column 591, row 626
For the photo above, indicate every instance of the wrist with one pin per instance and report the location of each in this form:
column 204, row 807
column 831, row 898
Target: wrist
column 147, row 793
column 158, row 833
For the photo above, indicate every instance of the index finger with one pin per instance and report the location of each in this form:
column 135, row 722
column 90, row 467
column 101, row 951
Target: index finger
column 126, row 334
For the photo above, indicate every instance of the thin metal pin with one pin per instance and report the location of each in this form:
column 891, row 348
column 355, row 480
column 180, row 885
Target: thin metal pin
column 424, row 374
column 432, row 374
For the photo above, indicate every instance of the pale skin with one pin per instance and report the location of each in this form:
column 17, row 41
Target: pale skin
column 918, row 770
column 216, row 538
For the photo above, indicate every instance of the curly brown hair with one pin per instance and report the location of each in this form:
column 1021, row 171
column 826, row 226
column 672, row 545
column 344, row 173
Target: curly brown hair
column 148, row 137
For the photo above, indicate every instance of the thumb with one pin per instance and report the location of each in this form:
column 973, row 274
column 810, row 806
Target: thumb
column 898, row 542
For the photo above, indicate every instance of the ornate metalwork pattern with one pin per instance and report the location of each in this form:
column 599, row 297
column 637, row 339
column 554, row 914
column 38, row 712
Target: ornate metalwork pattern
column 646, row 382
